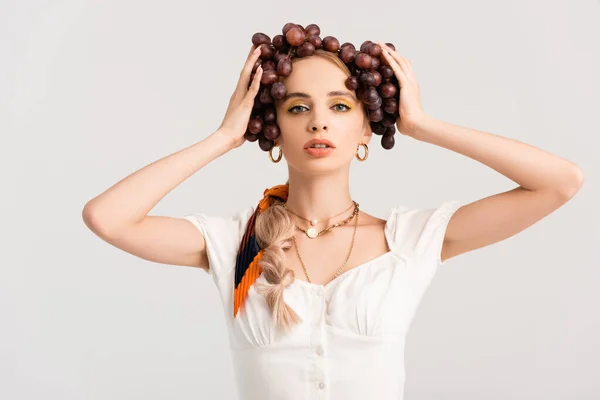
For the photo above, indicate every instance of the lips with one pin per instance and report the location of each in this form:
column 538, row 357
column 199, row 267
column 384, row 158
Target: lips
column 316, row 141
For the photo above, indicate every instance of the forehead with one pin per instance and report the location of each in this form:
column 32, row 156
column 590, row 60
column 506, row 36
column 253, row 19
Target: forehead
column 315, row 76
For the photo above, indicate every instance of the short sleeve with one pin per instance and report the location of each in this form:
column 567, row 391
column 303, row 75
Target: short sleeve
column 222, row 235
column 418, row 233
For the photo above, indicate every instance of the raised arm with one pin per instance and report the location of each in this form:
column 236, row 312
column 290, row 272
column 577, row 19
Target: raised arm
column 545, row 182
column 119, row 215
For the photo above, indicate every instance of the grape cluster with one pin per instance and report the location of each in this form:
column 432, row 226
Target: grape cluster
column 371, row 78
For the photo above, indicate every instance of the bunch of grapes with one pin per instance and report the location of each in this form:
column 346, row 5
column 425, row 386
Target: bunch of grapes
column 371, row 78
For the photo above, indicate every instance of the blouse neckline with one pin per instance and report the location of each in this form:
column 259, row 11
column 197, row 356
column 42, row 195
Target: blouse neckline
column 387, row 234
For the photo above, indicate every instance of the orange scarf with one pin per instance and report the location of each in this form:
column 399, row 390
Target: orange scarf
column 249, row 254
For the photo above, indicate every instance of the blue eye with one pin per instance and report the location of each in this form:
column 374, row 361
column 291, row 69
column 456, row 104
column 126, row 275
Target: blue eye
column 290, row 110
column 342, row 104
column 338, row 104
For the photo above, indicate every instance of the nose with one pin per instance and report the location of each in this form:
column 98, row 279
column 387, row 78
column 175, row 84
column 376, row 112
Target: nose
column 316, row 127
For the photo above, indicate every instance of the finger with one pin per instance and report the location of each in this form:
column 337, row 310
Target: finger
column 404, row 63
column 254, row 85
column 247, row 70
column 402, row 78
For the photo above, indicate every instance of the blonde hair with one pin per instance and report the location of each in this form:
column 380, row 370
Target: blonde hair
column 274, row 229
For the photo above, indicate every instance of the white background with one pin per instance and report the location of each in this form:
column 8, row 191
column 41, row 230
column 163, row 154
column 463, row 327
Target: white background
column 91, row 91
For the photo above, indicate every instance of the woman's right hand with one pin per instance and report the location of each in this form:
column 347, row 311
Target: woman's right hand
column 237, row 116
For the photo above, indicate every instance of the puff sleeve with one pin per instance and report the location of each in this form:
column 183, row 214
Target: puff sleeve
column 222, row 235
column 418, row 233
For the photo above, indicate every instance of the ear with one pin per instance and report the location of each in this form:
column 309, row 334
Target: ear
column 367, row 131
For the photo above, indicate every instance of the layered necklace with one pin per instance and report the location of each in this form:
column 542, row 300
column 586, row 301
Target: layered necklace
column 312, row 233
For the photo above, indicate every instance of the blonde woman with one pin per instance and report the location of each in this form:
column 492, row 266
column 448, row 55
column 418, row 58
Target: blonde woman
column 319, row 294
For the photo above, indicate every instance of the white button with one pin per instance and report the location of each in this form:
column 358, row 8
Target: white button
column 320, row 350
column 321, row 385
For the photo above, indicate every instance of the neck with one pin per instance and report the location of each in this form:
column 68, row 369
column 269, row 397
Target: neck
column 320, row 197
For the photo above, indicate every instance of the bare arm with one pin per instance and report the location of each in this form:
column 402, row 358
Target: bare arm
column 546, row 182
column 119, row 215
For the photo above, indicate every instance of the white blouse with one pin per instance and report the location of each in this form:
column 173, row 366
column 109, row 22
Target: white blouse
column 350, row 344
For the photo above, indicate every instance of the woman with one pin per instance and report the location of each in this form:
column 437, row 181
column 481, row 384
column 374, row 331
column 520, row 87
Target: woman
column 319, row 294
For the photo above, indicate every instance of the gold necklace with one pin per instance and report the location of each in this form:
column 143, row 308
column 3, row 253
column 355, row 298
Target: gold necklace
column 339, row 271
column 312, row 231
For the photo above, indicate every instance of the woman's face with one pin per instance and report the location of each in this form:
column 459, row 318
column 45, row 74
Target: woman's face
column 316, row 113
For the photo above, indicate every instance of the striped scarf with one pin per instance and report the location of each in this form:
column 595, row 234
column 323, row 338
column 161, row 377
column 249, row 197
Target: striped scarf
column 249, row 254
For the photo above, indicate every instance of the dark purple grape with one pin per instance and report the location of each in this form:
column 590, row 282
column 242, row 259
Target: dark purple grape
column 306, row 49
column 284, row 66
column 388, row 119
column 278, row 90
column 367, row 79
column 371, row 95
column 264, row 143
column 279, row 55
column 266, row 51
column 260, row 38
column 257, row 103
column 347, row 54
column 279, row 42
column 352, row 82
column 362, row 60
column 387, row 142
column 295, row 36
column 386, row 71
column 287, row 27
column 269, row 77
column 269, row 115
column 312, row 30
column 360, row 92
column 264, row 96
column 390, row 106
column 271, row 131
column 331, row 44
column 378, row 128
column 316, row 41
column 365, row 45
column 390, row 130
column 391, row 45
column 387, row 90
column 376, row 105
column 375, row 63
column 268, row 64
column 375, row 50
column 377, row 78
column 255, row 125
column 251, row 137
column 376, row 115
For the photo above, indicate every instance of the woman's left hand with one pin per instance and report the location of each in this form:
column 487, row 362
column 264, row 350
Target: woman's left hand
column 411, row 112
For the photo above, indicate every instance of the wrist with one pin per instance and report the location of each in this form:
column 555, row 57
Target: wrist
column 422, row 126
column 223, row 140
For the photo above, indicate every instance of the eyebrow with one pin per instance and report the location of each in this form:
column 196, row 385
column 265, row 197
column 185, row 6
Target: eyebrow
column 307, row 96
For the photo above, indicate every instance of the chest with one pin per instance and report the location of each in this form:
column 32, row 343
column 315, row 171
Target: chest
column 322, row 259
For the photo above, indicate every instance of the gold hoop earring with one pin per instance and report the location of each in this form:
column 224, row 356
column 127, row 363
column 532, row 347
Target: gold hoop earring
column 366, row 151
column 271, row 154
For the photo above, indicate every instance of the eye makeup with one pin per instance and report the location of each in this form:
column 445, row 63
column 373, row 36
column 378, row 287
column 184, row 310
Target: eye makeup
column 338, row 103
